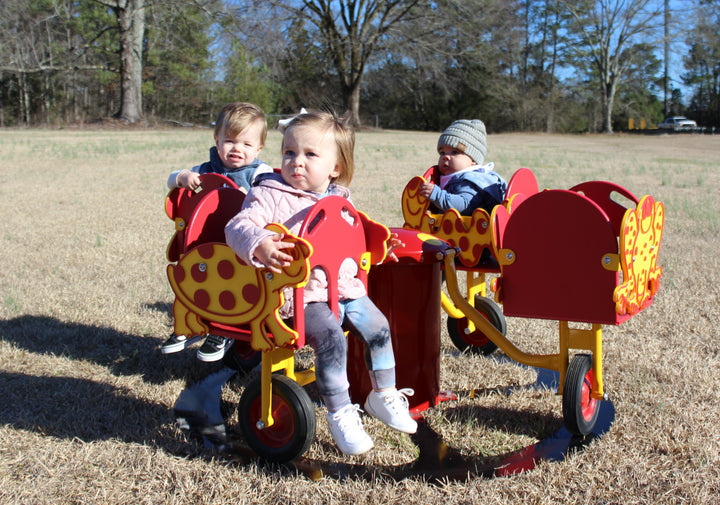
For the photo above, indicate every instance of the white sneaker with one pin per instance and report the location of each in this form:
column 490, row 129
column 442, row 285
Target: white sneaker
column 391, row 407
column 347, row 430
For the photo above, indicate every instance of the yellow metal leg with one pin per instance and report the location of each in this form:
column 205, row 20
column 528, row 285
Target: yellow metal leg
column 475, row 285
column 274, row 360
column 583, row 339
column 564, row 347
column 449, row 307
column 598, row 388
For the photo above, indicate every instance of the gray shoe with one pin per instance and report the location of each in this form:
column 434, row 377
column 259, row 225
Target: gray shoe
column 214, row 348
column 177, row 343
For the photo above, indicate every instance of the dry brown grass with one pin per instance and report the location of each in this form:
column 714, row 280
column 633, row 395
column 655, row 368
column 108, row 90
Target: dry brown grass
column 87, row 399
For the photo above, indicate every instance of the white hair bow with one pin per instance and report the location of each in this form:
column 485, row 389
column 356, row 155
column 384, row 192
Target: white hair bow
column 283, row 123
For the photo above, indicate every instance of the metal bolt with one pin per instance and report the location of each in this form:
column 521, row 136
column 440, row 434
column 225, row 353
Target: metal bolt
column 269, row 276
column 364, row 262
column 509, row 256
column 202, row 267
column 260, row 425
column 484, row 225
column 606, row 260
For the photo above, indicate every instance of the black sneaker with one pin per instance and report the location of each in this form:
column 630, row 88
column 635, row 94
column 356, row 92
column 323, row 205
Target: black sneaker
column 177, row 343
column 214, row 348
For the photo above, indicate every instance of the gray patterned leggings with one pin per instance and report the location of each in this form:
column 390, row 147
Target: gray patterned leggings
column 327, row 338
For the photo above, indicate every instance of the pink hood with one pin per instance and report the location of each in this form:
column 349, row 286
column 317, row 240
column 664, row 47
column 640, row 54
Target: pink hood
column 274, row 201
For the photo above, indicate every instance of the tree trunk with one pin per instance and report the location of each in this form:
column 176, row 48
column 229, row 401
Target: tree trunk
column 131, row 18
column 666, row 58
column 608, row 99
column 24, row 97
column 354, row 104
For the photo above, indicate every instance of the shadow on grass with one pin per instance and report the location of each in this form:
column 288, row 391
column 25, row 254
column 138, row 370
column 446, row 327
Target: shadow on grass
column 165, row 307
column 90, row 409
column 437, row 462
column 80, row 408
column 440, row 463
column 123, row 354
column 73, row 408
column 199, row 409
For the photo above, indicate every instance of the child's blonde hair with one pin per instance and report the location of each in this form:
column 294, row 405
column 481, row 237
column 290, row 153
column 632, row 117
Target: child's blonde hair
column 344, row 139
column 237, row 116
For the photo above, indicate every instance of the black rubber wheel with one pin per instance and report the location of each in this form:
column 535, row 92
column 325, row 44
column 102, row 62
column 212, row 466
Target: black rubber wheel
column 477, row 342
column 580, row 410
column 242, row 357
column 293, row 413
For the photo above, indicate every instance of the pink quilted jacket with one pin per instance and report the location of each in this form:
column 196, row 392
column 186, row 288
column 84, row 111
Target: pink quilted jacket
column 274, row 201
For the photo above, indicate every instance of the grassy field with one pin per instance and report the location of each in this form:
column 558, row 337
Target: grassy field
column 87, row 398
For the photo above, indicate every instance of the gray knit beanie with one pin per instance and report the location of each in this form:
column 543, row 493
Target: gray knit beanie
column 468, row 136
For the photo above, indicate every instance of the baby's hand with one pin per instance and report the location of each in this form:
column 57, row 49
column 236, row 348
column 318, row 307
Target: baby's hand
column 270, row 253
column 426, row 188
column 189, row 180
column 393, row 243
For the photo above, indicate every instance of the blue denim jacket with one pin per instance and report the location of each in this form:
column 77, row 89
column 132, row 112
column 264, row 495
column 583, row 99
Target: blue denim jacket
column 242, row 176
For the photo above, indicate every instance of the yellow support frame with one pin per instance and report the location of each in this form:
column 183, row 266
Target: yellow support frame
column 569, row 338
column 584, row 339
column 475, row 285
column 274, row 360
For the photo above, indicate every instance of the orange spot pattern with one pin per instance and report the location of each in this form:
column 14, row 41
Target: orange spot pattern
column 640, row 236
column 212, row 284
column 470, row 234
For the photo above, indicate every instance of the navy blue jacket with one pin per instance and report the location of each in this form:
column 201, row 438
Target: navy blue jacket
column 470, row 190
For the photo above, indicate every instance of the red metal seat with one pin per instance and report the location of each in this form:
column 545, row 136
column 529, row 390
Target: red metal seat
column 181, row 205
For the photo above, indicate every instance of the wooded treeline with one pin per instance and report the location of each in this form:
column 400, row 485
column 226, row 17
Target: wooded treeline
column 530, row 65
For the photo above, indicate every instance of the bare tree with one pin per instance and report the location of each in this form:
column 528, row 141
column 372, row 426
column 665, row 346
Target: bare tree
column 666, row 54
column 548, row 53
column 608, row 30
column 29, row 48
column 131, row 20
column 350, row 31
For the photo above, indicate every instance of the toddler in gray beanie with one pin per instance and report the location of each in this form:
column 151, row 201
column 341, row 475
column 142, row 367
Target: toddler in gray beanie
column 463, row 180
column 467, row 136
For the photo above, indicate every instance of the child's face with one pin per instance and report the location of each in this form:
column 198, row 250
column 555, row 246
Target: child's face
column 310, row 158
column 451, row 160
column 242, row 149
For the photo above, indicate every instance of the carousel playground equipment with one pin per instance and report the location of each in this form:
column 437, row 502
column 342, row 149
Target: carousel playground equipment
column 215, row 292
column 586, row 255
column 576, row 256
